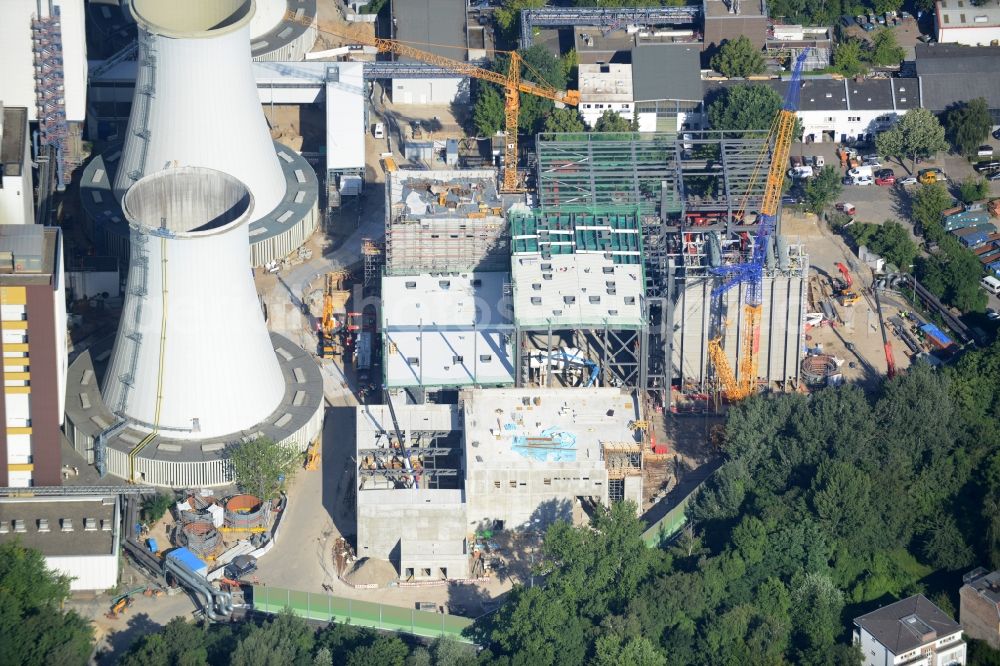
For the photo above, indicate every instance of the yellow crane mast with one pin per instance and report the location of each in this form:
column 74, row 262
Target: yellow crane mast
column 511, row 82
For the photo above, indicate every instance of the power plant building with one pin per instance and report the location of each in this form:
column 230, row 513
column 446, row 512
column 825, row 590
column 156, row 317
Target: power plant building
column 196, row 104
column 516, row 458
column 194, row 368
column 17, row 192
column 33, row 322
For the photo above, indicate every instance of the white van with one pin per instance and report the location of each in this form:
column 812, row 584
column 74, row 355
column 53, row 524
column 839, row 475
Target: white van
column 990, row 284
column 379, row 131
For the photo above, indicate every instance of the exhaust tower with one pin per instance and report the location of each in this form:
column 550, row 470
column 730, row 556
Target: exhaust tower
column 193, row 358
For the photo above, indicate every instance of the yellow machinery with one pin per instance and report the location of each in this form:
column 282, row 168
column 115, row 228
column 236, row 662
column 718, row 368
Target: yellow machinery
column 738, row 387
column 333, row 297
column 312, row 456
column 511, row 83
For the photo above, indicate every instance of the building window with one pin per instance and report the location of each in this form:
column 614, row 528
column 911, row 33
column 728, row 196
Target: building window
column 854, row 119
column 485, row 358
column 456, row 359
column 496, row 484
column 413, row 360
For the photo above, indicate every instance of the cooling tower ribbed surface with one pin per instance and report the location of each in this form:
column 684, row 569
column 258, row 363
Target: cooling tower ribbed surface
column 196, row 101
column 192, row 331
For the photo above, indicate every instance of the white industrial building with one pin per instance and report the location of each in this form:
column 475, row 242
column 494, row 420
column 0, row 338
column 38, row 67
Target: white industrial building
column 605, row 87
column 17, row 192
column 346, row 126
column 439, row 27
column 501, row 459
column 17, row 76
column 225, row 130
column 833, row 110
column 446, row 330
column 193, row 367
column 969, row 23
column 79, row 536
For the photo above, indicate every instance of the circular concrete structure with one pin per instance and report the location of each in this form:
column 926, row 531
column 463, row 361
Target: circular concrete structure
column 283, row 30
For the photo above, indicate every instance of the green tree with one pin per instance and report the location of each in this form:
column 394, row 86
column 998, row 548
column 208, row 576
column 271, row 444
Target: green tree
column 849, row 58
column 34, row 631
column 387, row 650
column 891, row 240
column 928, row 203
column 614, row 122
column 286, row 639
column 262, row 466
column 816, row 608
column 886, row 51
column 447, row 652
column 918, row 134
column 180, row 642
column 823, row 188
column 967, row 125
column 973, row 189
column 945, row 547
column 564, row 120
column 488, row 109
column 883, row 6
column 738, row 58
column 744, row 107
column 154, row 506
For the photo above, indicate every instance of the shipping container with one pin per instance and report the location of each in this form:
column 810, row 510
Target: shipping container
column 936, row 336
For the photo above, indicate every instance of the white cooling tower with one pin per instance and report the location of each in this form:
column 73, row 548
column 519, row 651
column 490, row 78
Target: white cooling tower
column 193, row 358
column 196, row 101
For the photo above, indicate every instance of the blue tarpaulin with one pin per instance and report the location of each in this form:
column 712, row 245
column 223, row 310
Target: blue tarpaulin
column 937, row 336
column 189, row 559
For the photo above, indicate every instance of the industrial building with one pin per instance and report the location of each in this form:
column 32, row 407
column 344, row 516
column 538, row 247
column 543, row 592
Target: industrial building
column 17, row 192
column 438, row 27
column 79, row 535
column 22, row 25
column 430, row 476
column 193, row 367
column 605, row 87
column 446, row 330
column 666, row 84
column 977, row 24
column 444, row 221
column 346, row 126
column 952, row 74
column 979, row 610
column 664, row 212
column 224, row 130
column 729, row 19
column 33, row 320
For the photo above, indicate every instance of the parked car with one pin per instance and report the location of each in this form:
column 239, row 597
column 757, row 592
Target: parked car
column 985, row 150
column 909, row 180
column 992, row 314
column 996, row 133
column 859, row 180
column 885, row 173
column 846, row 208
column 993, row 177
column 801, row 172
column 931, row 175
column 868, row 27
column 987, row 166
column 819, row 161
column 886, row 181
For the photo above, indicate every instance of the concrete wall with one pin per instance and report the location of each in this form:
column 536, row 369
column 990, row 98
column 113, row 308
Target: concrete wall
column 423, row 559
column 87, row 572
column 979, row 617
column 533, row 496
column 386, row 517
column 430, row 91
column 781, row 329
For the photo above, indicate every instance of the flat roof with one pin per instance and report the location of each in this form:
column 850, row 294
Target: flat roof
column 667, row 71
column 518, row 428
column 959, row 14
column 55, row 542
column 433, row 26
column 447, row 330
column 605, row 83
column 718, row 9
column 951, row 73
column 907, row 624
column 345, row 116
column 34, row 254
column 13, row 135
column 577, row 290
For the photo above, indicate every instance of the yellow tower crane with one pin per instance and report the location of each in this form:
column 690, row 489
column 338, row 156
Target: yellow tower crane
column 511, row 82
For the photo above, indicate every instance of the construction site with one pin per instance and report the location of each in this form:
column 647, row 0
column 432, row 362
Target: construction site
column 433, row 479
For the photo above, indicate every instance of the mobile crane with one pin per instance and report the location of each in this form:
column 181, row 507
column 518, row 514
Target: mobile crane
column 752, row 272
column 890, row 362
column 511, row 82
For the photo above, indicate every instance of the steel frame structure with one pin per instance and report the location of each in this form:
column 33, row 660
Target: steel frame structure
column 605, row 19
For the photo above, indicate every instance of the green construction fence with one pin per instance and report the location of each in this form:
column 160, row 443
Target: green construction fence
column 327, row 608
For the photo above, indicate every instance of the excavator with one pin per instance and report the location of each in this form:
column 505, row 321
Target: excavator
column 845, row 294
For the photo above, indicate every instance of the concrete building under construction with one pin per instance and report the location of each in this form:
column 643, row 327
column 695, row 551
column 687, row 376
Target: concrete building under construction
column 664, row 212
column 444, row 221
column 430, row 476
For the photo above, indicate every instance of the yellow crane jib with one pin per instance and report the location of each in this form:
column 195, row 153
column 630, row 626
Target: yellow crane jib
column 511, row 82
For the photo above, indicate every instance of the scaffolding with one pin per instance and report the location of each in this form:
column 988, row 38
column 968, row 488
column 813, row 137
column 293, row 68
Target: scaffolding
column 372, row 254
column 425, row 459
column 622, row 459
column 444, row 221
column 50, row 89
